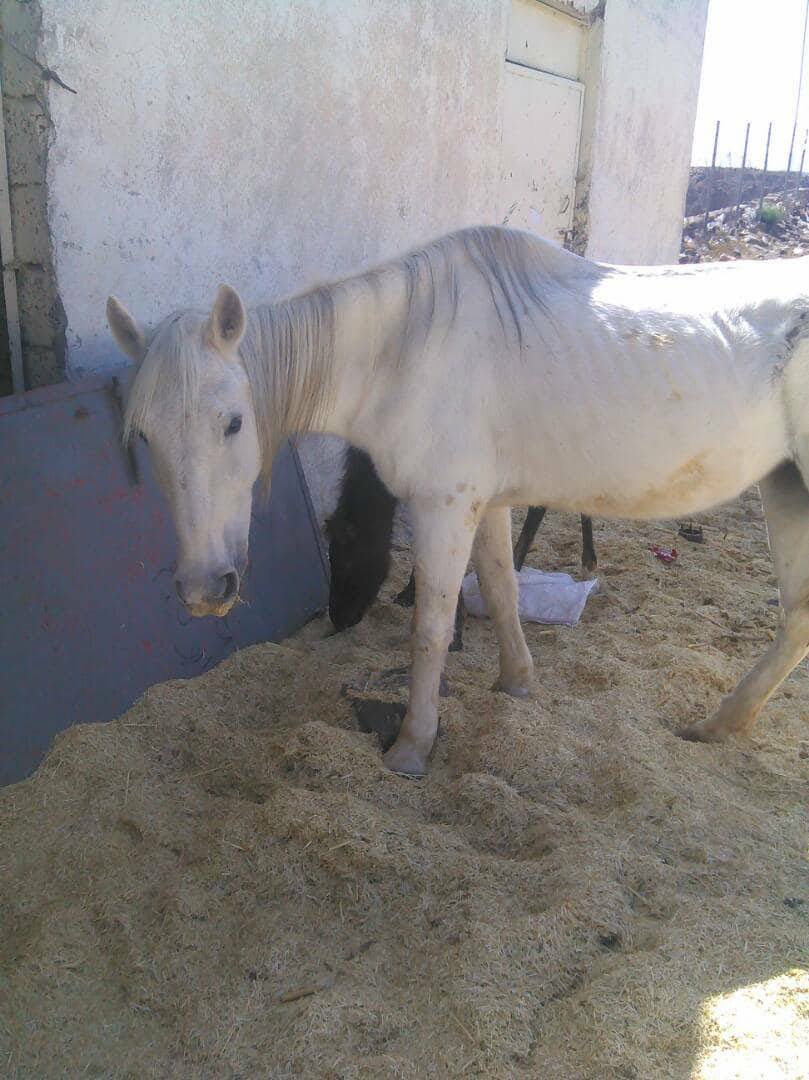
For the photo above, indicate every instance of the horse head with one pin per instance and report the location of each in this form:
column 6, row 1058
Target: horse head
column 192, row 403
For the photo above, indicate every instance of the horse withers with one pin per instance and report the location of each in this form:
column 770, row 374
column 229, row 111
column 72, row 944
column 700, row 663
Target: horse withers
column 486, row 370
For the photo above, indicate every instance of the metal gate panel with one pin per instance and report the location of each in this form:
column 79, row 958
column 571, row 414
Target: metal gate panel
column 89, row 616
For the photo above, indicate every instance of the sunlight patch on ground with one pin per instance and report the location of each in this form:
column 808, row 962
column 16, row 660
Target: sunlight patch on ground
column 761, row 1030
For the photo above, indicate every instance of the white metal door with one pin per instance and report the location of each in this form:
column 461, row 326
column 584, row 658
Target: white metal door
column 542, row 111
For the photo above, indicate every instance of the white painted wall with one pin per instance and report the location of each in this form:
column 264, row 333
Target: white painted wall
column 647, row 69
column 272, row 143
column 264, row 142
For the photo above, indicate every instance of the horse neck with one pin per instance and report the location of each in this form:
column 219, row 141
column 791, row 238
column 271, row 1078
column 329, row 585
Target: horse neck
column 311, row 359
column 370, row 320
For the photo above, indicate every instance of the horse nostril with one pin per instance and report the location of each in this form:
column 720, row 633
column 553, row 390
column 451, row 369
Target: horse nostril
column 178, row 588
column 230, row 583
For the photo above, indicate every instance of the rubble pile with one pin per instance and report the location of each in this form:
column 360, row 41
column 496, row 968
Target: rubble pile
column 713, row 189
column 771, row 230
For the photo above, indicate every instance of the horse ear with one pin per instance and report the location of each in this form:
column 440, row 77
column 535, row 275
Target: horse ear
column 128, row 335
column 228, row 320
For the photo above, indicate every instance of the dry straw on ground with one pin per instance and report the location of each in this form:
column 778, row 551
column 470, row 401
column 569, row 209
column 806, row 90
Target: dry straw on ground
column 226, row 882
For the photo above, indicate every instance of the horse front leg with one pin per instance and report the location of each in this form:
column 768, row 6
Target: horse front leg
column 786, row 507
column 407, row 598
column 443, row 536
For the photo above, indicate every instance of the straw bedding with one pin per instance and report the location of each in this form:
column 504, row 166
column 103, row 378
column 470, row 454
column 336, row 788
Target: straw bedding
column 226, row 882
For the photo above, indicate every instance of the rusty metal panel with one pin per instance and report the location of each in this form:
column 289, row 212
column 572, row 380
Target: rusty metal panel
column 89, row 618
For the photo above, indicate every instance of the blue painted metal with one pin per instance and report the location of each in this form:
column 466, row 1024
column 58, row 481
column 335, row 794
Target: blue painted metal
column 88, row 615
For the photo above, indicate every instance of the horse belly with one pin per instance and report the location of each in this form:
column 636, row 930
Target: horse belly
column 664, row 466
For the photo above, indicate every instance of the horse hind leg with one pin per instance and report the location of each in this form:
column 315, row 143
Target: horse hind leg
column 786, row 507
column 533, row 519
column 498, row 585
column 589, row 561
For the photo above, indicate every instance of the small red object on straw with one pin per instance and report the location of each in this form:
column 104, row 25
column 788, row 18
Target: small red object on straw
column 666, row 555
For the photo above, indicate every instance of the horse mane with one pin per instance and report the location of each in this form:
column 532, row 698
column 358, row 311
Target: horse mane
column 287, row 351
column 288, row 346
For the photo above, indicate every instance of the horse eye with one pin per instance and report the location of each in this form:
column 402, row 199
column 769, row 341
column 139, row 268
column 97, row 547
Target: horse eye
column 234, row 426
column 143, row 438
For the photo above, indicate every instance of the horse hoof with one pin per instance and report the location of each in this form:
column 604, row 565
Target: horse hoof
column 512, row 689
column 406, row 761
column 701, row 733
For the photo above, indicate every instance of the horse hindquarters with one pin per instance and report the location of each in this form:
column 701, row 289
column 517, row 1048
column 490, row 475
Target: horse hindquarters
column 786, row 508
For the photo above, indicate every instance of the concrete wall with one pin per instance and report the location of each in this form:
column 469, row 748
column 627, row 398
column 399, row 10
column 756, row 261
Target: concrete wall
column 646, row 61
column 28, row 129
column 271, row 144
column 265, row 144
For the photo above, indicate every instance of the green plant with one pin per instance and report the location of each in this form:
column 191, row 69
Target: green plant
column 771, row 214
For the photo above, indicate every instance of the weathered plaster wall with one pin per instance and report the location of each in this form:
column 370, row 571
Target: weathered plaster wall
column 27, row 124
column 273, row 144
column 266, row 144
column 647, row 68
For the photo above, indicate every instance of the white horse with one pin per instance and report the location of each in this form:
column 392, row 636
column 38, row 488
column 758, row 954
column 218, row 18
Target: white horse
column 486, row 370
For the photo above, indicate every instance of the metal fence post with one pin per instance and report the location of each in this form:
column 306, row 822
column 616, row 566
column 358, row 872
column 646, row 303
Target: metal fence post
column 712, row 179
column 741, row 171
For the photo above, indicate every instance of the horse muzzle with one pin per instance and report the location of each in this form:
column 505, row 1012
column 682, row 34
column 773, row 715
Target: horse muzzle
column 216, row 595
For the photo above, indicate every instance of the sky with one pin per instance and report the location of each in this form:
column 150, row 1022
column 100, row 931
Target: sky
column 750, row 72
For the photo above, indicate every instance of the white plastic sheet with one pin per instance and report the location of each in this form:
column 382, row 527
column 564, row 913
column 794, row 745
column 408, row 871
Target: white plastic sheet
column 552, row 598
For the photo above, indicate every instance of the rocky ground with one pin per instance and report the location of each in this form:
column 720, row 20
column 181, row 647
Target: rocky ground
column 777, row 228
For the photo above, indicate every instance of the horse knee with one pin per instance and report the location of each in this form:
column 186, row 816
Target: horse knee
column 433, row 638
